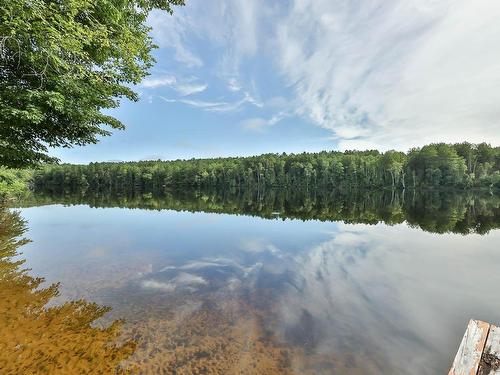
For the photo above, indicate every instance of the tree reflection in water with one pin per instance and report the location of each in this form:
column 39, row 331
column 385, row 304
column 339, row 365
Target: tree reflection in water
column 35, row 338
column 353, row 301
column 436, row 211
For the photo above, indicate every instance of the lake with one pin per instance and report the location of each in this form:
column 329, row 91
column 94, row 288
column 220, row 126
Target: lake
column 247, row 282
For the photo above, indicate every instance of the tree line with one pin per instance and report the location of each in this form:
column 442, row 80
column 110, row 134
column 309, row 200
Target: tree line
column 462, row 165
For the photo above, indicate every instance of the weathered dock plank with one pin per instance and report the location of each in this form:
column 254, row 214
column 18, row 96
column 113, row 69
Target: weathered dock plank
column 490, row 360
column 471, row 349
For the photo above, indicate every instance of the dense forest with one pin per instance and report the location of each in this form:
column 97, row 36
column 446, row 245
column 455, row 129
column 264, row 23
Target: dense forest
column 434, row 211
column 461, row 165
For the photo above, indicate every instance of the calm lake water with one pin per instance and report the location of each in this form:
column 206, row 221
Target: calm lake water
column 243, row 289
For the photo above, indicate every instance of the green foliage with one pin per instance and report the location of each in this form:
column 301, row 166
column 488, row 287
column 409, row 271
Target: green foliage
column 435, row 165
column 62, row 63
column 14, row 183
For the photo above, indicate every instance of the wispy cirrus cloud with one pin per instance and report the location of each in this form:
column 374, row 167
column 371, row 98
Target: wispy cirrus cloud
column 170, row 32
column 196, row 103
column 217, row 106
column 183, row 86
column 159, row 81
column 226, row 23
column 375, row 73
column 230, row 28
column 394, row 73
column 190, row 88
column 361, row 73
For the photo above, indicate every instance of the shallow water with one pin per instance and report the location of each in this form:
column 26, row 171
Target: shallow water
column 218, row 293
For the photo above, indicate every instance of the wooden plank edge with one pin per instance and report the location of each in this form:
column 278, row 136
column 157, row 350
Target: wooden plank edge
column 490, row 360
column 471, row 348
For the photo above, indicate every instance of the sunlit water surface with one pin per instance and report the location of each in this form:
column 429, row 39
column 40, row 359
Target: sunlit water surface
column 219, row 293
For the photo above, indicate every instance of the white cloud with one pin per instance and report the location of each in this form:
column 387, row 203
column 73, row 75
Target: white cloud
column 196, row 103
column 259, row 124
column 183, row 86
column 190, row 88
column 394, row 73
column 217, row 106
column 231, row 28
column 277, row 118
column 160, row 81
column 376, row 73
column 169, row 32
column 231, row 24
column 250, row 99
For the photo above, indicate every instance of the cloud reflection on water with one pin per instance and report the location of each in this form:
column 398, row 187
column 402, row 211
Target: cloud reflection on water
column 316, row 296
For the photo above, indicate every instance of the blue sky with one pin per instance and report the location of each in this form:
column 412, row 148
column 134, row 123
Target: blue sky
column 243, row 77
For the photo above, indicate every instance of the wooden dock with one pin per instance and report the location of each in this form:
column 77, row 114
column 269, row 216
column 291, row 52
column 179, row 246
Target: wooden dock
column 479, row 351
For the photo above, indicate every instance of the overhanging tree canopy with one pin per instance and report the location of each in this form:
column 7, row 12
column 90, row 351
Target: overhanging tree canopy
column 63, row 62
